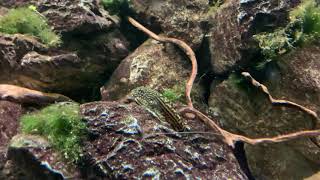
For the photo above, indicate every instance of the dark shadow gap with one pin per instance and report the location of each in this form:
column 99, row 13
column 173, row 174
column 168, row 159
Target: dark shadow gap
column 240, row 154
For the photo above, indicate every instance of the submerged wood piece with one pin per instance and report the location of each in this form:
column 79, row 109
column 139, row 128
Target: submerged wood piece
column 231, row 138
column 28, row 96
column 280, row 102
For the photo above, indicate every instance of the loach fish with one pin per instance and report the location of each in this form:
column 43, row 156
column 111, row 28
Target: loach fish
column 152, row 100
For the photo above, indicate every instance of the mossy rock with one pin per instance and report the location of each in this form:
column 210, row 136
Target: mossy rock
column 28, row 21
column 61, row 124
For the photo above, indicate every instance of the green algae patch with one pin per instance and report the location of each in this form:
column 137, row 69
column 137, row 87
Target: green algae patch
column 115, row 6
column 171, row 95
column 274, row 44
column 308, row 14
column 29, row 21
column 214, row 5
column 303, row 28
column 174, row 94
column 61, row 124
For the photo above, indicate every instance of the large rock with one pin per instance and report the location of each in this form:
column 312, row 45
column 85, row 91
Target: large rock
column 36, row 158
column 243, row 109
column 234, row 24
column 9, row 123
column 76, row 15
column 153, row 64
column 183, row 19
column 92, row 48
column 127, row 142
column 104, row 50
column 27, row 63
column 12, row 50
column 65, row 16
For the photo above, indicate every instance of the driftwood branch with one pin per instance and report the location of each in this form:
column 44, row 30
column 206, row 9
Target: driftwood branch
column 183, row 46
column 229, row 137
column 277, row 102
column 28, row 96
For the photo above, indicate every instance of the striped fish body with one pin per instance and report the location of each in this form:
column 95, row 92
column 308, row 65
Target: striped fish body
column 152, row 100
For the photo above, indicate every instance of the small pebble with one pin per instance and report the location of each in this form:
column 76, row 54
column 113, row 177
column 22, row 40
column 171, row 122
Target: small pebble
column 190, row 115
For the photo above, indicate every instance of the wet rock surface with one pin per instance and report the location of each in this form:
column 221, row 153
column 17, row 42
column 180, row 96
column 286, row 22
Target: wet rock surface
column 9, row 122
column 38, row 160
column 247, row 111
column 66, row 16
column 153, row 64
column 149, row 64
column 92, row 48
column 13, row 48
column 128, row 142
column 187, row 18
column 25, row 63
column 234, row 23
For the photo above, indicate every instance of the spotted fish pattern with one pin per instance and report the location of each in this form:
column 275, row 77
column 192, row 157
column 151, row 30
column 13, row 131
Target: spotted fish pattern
column 152, row 100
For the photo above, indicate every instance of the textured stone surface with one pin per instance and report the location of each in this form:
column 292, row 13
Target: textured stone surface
column 247, row 111
column 3, row 11
column 234, row 24
column 38, row 160
column 104, row 50
column 13, row 48
column 183, row 19
column 27, row 63
column 74, row 15
column 153, row 64
column 9, row 115
column 9, row 122
column 92, row 47
column 128, row 142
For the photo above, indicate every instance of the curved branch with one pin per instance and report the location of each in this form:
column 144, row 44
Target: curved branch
column 182, row 45
column 231, row 138
column 280, row 102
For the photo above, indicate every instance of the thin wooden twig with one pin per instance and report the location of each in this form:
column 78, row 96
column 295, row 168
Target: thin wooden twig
column 231, row 138
column 286, row 103
column 280, row 102
column 183, row 46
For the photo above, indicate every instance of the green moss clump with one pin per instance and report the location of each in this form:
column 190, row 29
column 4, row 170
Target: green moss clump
column 273, row 44
column 308, row 14
column 28, row 21
column 171, row 95
column 304, row 27
column 115, row 6
column 214, row 5
column 174, row 94
column 61, row 125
